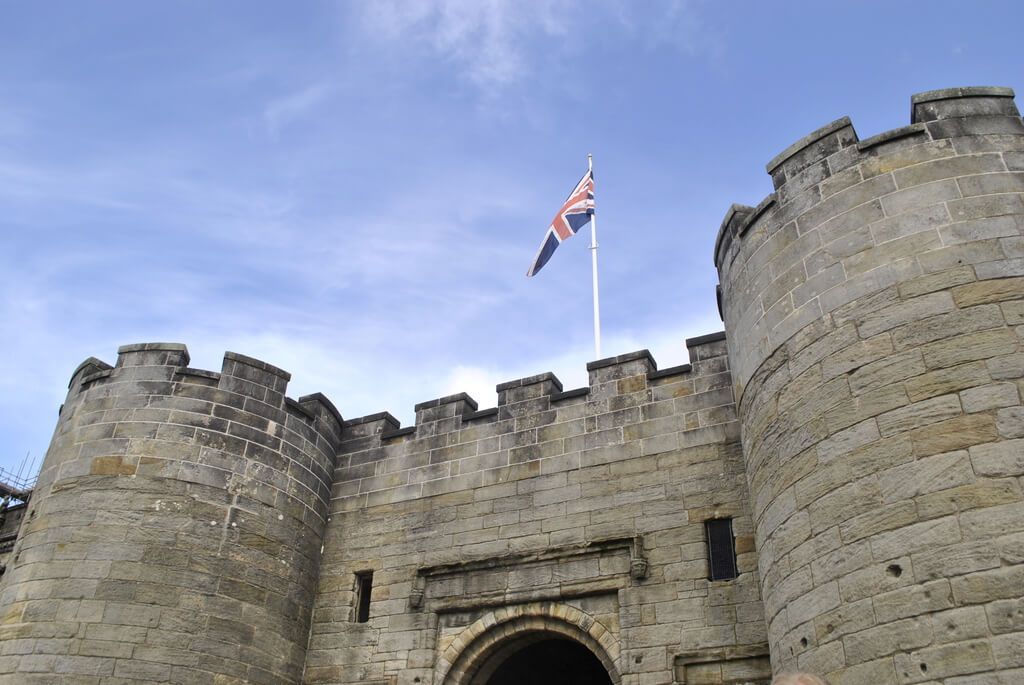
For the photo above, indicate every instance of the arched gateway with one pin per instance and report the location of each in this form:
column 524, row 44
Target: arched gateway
column 544, row 643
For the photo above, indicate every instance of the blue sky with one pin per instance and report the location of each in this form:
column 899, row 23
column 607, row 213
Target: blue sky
column 353, row 191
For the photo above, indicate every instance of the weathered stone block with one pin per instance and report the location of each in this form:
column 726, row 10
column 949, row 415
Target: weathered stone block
column 922, row 476
column 996, row 459
column 987, row 291
column 881, row 640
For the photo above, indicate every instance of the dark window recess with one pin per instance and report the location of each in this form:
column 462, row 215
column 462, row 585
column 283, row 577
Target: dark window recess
column 364, row 587
column 721, row 549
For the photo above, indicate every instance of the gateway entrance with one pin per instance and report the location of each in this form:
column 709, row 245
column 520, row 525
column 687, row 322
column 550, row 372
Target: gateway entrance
column 543, row 660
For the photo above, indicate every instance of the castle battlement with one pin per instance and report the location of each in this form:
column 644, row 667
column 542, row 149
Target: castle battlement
column 835, row 148
column 538, row 428
column 797, row 252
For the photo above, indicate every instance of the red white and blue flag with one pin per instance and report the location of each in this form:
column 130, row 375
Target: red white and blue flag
column 574, row 215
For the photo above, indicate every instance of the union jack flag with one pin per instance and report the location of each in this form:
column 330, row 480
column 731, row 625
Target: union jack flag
column 574, row 215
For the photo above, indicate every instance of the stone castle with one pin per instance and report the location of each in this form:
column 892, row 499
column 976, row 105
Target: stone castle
column 833, row 484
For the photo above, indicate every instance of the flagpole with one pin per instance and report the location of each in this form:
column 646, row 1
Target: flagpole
column 593, row 259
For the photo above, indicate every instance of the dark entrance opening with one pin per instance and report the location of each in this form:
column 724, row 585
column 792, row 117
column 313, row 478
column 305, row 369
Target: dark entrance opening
column 551, row 662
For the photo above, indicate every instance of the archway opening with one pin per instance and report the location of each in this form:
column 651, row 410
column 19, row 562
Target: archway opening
column 543, row 659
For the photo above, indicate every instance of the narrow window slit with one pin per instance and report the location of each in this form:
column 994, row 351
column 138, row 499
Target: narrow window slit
column 364, row 588
column 721, row 549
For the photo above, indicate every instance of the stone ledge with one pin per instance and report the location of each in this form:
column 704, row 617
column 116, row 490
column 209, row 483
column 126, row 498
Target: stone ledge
column 634, row 544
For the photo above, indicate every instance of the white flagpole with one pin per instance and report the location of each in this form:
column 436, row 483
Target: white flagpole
column 593, row 256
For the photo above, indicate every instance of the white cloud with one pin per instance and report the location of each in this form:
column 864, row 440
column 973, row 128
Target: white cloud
column 496, row 43
column 484, row 38
column 284, row 110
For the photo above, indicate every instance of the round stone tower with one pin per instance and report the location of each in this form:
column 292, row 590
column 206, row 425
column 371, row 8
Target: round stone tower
column 175, row 531
column 874, row 308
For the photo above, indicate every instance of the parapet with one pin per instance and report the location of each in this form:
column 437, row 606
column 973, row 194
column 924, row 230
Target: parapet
column 850, row 217
column 243, row 383
column 628, row 408
column 827, row 152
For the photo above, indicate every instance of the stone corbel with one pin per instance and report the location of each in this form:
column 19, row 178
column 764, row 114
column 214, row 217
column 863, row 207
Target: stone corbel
column 638, row 564
column 419, row 585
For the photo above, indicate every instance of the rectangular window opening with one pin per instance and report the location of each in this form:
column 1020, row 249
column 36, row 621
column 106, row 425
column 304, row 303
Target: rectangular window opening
column 721, row 549
column 364, row 587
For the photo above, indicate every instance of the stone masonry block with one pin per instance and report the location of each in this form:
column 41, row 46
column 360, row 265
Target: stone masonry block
column 887, row 638
column 927, row 475
column 1004, row 458
column 913, row 600
column 988, row 397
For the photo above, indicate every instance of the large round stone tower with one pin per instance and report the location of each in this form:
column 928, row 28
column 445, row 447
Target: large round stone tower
column 176, row 528
column 874, row 306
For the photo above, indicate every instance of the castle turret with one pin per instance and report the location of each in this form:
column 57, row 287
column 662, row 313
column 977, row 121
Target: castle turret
column 873, row 306
column 175, row 531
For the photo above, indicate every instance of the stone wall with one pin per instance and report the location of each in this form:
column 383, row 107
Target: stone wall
column 174, row 533
column 874, row 304
column 576, row 512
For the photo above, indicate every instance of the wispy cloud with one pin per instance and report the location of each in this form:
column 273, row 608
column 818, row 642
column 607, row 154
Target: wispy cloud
column 678, row 24
column 494, row 44
column 485, row 39
column 292, row 107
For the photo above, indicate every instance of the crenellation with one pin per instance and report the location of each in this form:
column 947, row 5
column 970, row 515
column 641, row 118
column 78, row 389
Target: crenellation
column 152, row 354
column 734, row 218
column 892, row 136
column 189, row 375
column 87, row 368
column 444, row 408
column 528, row 388
column 254, row 379
column 957, row 103
column 813, row 148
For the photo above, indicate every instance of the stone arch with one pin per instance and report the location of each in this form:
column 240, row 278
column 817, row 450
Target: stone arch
column 510, row 628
